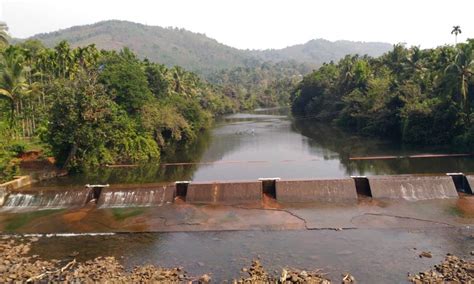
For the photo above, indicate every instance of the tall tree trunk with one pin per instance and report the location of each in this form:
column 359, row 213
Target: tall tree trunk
column 71, row 155
column 464, row 93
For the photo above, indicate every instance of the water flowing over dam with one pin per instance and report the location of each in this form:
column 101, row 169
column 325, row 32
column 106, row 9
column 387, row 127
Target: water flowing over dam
column 46, row 199
column 406, row 187
column 139, row 196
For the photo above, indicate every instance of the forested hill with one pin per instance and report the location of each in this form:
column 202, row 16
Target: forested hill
column 197, row 52
column 318, row 51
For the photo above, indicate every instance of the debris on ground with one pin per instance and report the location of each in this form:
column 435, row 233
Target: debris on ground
column 452, row 270
column 426, row 254
column 257, row 274
column 16, row 266
column 348, row 279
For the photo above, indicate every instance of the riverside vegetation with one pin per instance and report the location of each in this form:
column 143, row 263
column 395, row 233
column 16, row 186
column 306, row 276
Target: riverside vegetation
column 89, row 107
column 411, row 95
column 92, row 107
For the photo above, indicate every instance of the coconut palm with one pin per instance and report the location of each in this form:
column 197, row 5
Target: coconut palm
column 3, row 33
column 463, row 69
column 456, row 30
column 13, row 82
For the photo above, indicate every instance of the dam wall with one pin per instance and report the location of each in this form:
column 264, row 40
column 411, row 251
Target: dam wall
column 405, row 187
column 136, row 196
column 412, row 187
column 328, row 190
column 224, row 192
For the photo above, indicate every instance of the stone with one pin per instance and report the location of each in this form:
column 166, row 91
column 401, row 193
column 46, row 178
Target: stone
column 205, row 278
column 426, row 254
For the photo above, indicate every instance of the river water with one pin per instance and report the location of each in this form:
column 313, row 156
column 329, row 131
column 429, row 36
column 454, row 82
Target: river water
column 269, row 143
column 378, row 246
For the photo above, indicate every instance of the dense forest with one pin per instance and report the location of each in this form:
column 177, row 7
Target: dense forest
column 408, row 94
column 262, row 85
column 91, row 107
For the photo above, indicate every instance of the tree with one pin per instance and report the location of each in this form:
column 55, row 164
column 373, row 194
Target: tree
column 456, row 30
column 4, row 34
column 463, row 70
column 13, row 83
column 125, row 75
column 88, row 128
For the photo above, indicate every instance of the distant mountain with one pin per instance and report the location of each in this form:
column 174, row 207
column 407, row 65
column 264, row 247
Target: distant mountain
column 197, row 52
column 318, row 51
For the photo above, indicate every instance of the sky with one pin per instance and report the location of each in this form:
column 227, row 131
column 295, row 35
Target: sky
column 259, row 24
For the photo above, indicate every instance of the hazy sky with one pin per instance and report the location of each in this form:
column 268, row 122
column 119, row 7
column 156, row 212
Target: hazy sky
column 259, row 24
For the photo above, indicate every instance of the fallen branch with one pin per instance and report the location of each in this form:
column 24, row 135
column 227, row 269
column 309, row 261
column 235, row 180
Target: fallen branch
column 39, row 277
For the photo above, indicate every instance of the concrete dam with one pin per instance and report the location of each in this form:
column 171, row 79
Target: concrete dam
column 403, row 187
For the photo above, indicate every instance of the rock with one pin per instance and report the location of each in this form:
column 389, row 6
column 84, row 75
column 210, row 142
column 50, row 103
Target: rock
column 205, row 278
column 451, row 270
column 426, row 254
column 347, row 278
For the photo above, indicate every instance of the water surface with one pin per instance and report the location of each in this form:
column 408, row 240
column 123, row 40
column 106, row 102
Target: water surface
column 269, row 143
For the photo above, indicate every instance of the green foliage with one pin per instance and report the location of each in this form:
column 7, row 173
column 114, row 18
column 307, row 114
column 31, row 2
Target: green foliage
column 264, row 85
column 95, row 107
column 125, row 76
column 411, row 95
column 9, row 165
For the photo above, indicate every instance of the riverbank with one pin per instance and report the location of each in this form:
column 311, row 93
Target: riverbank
column 93, row 259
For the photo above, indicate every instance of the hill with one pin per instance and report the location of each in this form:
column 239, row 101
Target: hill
column 197, row 52
column 318, row 51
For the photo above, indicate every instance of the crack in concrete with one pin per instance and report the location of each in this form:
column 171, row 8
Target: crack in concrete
column 305, row 223
column 401, row 217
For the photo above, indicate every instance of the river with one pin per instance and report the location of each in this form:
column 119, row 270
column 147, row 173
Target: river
column 380, row 241
column 269, row 143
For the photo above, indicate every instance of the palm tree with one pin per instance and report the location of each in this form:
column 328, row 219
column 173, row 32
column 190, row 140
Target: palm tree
column 13, row 83
column 456, row 30
column 3, row 33
column 463, row 69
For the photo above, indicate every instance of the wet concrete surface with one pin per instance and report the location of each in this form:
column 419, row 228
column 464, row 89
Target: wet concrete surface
column 266, row 215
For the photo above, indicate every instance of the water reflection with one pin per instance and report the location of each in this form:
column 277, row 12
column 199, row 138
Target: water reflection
column 268, row 143
column 348, row 145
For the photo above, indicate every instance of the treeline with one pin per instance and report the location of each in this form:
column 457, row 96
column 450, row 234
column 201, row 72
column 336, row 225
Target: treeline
column 261, row 84
column 95, row 107
column 409, row 94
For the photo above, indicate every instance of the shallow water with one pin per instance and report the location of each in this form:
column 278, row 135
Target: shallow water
column 372, row 256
